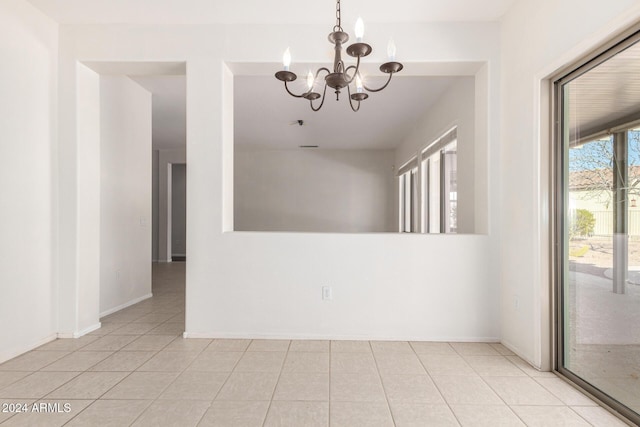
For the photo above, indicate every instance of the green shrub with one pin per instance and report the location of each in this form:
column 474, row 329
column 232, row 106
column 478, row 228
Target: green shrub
column 581, row 224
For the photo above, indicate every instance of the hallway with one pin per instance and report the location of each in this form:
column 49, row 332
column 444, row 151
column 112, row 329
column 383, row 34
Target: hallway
column 138, row 370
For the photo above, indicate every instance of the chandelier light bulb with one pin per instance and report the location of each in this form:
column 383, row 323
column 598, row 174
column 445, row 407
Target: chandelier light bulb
column 359, row 30
column 391, row 50
column 359, row 85
column 310, row 80
column 286, row 59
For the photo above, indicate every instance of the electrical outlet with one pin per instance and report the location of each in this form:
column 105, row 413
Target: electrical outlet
column 327, row 294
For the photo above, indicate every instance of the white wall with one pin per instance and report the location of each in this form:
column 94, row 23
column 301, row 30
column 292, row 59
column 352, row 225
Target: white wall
column 178, row 209
column 456, row 107
column 268, row 284
column 125, row 225
column 155, row 191
column 314, row 190
column 166, row 158
column 28, row 131
column 538, row 38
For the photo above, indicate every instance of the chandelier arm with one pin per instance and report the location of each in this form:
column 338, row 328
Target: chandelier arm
column 379, row 89
column 351, row 102
column 293, row 94
column 322, row 69
column 355, row 73
column 321, row 102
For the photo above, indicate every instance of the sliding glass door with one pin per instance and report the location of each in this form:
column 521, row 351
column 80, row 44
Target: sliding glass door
column 598, row 226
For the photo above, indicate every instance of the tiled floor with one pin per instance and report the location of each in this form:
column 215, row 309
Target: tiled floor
column 137, row 370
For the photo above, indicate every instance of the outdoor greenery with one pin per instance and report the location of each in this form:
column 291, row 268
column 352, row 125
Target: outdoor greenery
column 582, row 224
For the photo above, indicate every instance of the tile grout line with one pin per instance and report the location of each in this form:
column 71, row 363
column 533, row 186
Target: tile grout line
column 266, row 415
column 224, row 382
column 492, row 389
column 329, row 405
column 384, row 390
column 434, row 383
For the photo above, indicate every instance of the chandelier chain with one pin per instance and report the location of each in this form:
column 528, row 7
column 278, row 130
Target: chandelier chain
column 338, row 26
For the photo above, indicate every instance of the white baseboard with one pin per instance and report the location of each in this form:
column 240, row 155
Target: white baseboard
column 295, row 336
column 10, row 354
column 78, row 334
column 125, row 305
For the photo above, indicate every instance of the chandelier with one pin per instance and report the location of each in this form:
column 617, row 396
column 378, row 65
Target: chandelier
column 341, row 77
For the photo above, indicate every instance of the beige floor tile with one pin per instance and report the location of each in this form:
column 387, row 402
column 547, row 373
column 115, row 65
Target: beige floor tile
column 169, row 361
column 391, row 347
column 123, row 361
column 50, row 413
column 563, row 391
column 235, row 414
column 68, row 344
column 474, row 349
column 12, row 407
column 195, row 386
column 269, row 345
column 502, row 349
column 149, row 343
column 78, row 361
column 356, row 388
column 174, row 329
column 598, row 416
column 494, row 366
column 110, row 413
column 350, row 346
column 411, row 389
column 318, row 346
column 109, row 343
column 155, row 318
column 446, row 365
column 37, row 385
column 228, row 345
column 176, row 413
column 545, row 416
column 88, row 385
column 302, row 386
column 521, row 391
column 209, row 361
column 464, row 390
column 106, row 328
column 353, row 363
column 188, row 344
column 298, row 414
column 135, row 328
column 399, row 363
column 10, row 377
column 422, row 414
column 249, row 386
column 141, row 385
column 306, row 362
column 32, row 361
column 362, row 414
column 486, row 416
column 422, row 347
column 261, row 361
column 528, row 369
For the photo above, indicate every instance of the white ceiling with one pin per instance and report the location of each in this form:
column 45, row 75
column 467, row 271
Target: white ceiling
column 265, row 115
column 266, row 12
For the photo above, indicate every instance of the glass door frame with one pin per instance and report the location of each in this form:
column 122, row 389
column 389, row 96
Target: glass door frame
column 558, row 204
